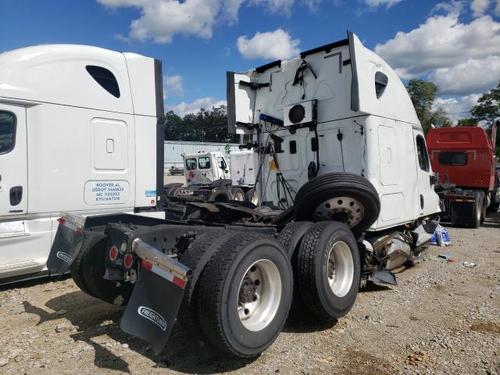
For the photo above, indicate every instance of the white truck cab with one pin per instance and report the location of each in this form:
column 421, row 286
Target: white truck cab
column 78, row 133
column 205, row 167
column 339, row 108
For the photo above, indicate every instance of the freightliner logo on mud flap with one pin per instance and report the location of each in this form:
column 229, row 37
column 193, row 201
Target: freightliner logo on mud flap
column 153, row 316
column 65, row 257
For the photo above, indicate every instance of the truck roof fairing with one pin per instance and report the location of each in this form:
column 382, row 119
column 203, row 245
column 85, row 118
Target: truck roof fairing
column 348, row 75
column 58, row 74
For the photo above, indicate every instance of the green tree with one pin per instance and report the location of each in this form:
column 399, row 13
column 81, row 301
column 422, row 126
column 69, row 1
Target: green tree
column 438, row 118
column 488, row 106
column 206, row 125
column 422, row 94
column 488, row 109
column 467, row 122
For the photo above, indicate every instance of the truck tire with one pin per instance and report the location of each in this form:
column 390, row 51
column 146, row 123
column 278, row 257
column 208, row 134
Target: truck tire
column 237, row 194
column 328, row 270
column 493, row 206
column 474, row 221
column 291, row 235
column 196, row 257
column 220, row 195
column 88, row 270
column 344, row 197
column 245, row 294
column 251, row 196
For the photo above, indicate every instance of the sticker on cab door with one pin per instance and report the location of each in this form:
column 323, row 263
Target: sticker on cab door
column 106, row 192
column 150, row 193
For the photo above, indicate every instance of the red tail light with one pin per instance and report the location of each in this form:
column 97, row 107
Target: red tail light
column 128, row 260
column 113, row 253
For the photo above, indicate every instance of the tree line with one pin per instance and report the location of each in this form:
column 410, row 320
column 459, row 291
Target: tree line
column 423, row 94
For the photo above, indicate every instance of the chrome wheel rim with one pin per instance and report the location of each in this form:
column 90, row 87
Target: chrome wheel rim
column 259, row 295
column 254, row 199
column 345, row 209
column 239, row 196
column 340, row 268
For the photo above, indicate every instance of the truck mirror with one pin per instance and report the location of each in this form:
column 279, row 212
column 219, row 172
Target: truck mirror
column 433, row 179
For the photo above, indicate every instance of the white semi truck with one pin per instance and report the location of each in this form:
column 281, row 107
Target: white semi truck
column 346, row 195
column 78, row 133
column 208, row 177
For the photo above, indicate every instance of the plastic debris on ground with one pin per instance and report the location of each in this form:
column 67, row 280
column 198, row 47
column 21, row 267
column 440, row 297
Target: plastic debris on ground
column 446, row 257
column 469, row 264
column 441, row 237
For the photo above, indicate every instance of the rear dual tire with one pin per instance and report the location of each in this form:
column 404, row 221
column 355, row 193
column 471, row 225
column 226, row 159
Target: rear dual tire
column 243, row 294
column 327, row 268
column 88, row 269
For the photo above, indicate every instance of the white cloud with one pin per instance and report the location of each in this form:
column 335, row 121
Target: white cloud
column 381, row 3
column 273, row 45
column 456, row 108
column 442, row 41
column 479, row 7
column 173, row 86
column 184, row 108
column 276, row 6
column 231, row 9
column 161, row 20
column 461, row 58
column 470, row 76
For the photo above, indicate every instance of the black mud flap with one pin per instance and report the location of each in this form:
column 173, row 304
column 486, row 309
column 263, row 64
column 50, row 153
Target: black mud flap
column 67, row 244
column 153, row 308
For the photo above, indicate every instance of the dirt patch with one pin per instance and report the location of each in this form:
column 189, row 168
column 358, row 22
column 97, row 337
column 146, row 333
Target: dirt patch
column 361, row 362
column 486, row 327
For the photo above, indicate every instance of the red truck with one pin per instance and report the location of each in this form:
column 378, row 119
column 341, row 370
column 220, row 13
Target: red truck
column 464, row 160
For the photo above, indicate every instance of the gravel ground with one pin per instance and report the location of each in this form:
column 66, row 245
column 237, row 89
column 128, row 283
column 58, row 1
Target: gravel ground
column 442, row 318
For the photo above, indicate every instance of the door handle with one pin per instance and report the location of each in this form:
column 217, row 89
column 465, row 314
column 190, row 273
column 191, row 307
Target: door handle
column 16, row 195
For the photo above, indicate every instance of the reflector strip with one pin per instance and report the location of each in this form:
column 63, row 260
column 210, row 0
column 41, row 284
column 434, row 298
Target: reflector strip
column 163, row 273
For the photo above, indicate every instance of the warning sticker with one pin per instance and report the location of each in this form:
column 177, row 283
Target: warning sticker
column 106, row 192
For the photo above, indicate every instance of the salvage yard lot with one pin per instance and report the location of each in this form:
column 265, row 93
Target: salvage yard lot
column 442, row 317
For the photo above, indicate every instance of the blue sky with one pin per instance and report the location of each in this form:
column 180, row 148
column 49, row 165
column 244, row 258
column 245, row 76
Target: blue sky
column 451, row 42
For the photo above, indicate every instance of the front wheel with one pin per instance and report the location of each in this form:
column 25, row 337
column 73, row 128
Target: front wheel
column 245, row 295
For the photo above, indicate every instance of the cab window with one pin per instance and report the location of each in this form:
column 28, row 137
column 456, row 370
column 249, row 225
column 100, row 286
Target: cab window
column 423, row 158
column 453, row 158
column 204, row 162
column 7, row 131
column 221, row 162
column 190, row 164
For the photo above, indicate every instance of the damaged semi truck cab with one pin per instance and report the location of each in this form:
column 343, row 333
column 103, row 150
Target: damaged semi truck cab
column 78, row 133
column 338, row 108
column 345, row 194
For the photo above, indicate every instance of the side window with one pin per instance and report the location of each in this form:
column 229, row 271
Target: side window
column 105, row 78
column 7, row 131
column 221, row 162
column 423, row 158
column 190, row 164
column 381, row 81
column 204, row 162
column 453, row 158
